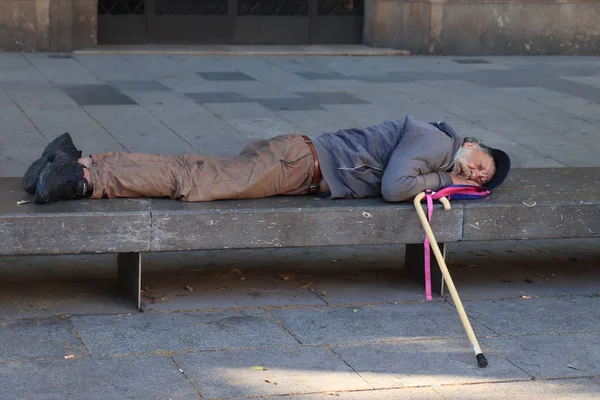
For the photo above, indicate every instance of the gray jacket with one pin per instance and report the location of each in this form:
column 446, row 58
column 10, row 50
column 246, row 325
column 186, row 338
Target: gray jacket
column 395, row 159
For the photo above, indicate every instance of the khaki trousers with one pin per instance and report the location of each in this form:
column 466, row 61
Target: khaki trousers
column 283, row 165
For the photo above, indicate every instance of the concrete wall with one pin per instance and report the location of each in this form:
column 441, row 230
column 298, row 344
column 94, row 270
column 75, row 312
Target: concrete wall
column 47, row 25
column 484, row 27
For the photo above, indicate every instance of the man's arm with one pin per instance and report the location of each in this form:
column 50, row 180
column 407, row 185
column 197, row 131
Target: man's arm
column 415, row 166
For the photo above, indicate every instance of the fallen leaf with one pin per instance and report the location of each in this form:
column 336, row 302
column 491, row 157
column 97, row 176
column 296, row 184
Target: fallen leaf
column 593, row 296
column 333, row 394
column 190, row 288
column 570, row 366
column 23, row 202
column 355, row 310
column 526, row 297
column 258, row 368
column 284, row 277
column 334, row 261
column 323, row 293
column 270, row 381
column 69, row 357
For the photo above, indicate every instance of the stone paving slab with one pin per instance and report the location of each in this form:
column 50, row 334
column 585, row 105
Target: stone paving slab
column 540, row 104
column 542, row 110
column 233, row 288
column 559, row 389
column 147, row 377
column 385, row 394
column 370, row 324
column 148, row 135
column 551, row 355
column 45, row 296
column 537, row 315
column 562, row 126
column 145, row 333
column 61, row 70
column 53, row 112
column 480, row 282
column 574, row 105
column 425, row 363
column 38, row 338
column 202, row 132
column 355, row 286
column 224, row 374
column 26, row 146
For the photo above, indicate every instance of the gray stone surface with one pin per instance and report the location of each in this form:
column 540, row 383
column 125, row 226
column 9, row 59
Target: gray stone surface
column 426, row 363
column 143, row 86
column 369, row 324
column 555, row 389
column 225, row 76
column 38, row 338
column 360, row 286
column 96, row 95
column 218, row 97
column 139, row 333
column 70, row 227
column 283, row 104
column 541, row 109
column 224, row 374
column 227, row 287
column 96, row 378
column 147, row 135
column 536, row 195
column 386, row 394
column 317, row 76
column 45, row 286
column 530, row 316
column 290, row 222
column 551, row 355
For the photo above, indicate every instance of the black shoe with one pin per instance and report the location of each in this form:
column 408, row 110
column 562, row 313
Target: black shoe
column 62, row 143
column 61, row 180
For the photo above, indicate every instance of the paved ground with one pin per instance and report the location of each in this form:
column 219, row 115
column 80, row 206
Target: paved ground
column 327, row 322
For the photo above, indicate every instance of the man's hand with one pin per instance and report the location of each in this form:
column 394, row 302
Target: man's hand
column 459, row 180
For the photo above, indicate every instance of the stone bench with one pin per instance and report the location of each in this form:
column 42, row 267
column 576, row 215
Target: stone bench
column 532, row 204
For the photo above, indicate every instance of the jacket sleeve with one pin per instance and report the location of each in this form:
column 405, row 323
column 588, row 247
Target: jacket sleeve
column 416, row 165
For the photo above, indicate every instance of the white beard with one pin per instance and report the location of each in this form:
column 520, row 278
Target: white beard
column 460, row 160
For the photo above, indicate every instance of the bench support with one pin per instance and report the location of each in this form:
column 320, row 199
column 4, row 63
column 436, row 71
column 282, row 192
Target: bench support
column 415, row 261
column 129, row 276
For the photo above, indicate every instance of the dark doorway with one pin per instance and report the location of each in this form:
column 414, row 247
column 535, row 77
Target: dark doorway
column 230, row 21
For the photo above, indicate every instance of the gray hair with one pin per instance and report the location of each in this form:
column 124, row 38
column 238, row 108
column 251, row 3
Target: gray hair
column 482, row 146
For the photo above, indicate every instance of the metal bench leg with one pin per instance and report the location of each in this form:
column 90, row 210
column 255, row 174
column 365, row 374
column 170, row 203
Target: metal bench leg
column 129, row 276
column 415, row 262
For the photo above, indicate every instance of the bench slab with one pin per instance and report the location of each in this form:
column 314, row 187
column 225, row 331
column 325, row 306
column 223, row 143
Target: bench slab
column 538, row 204
column 140, row 225
column 70, row 227
column 532, row 204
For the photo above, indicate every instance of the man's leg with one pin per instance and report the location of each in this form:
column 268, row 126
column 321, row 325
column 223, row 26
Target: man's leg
column 281, row 165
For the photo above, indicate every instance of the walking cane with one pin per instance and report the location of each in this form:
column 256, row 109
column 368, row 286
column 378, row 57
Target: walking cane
column 481, row 360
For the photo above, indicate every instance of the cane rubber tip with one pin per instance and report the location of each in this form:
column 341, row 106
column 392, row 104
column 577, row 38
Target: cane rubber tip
column 482, row 362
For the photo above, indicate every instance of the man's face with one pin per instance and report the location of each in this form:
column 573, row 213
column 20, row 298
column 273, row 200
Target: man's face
column 474, row 164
